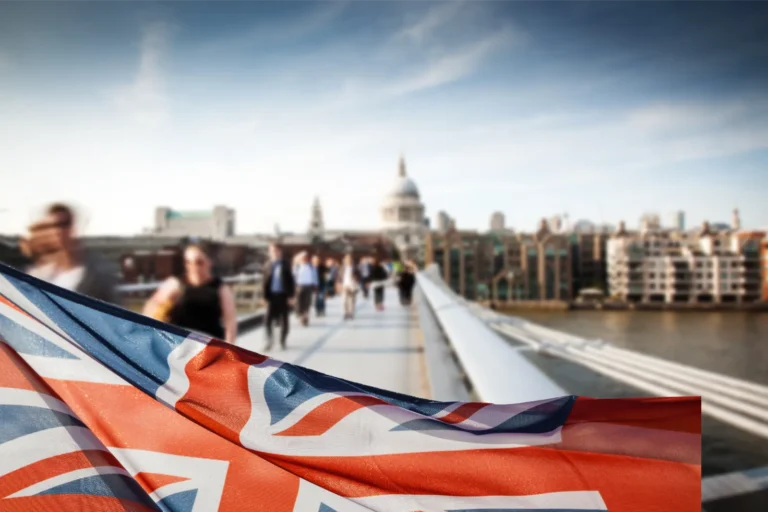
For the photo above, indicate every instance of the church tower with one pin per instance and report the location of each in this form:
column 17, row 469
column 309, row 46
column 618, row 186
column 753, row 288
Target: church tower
column 402, row 215
column 316, row 226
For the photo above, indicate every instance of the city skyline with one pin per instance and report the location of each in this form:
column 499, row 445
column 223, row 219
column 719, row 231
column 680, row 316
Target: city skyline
column 526, row 109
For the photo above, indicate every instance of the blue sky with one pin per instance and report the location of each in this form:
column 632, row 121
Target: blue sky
column 603, row 110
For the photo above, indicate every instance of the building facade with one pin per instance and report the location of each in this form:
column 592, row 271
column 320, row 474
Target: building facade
column 402, row 216
column 497, row 221
column 670, row 266
column 764, row 260
column 588, row 256
column 217, row 224
column 504, row 266
column 443, row 221
column 678, row 220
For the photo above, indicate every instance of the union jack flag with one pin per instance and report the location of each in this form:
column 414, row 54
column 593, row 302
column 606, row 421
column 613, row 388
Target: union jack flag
column 104, row 409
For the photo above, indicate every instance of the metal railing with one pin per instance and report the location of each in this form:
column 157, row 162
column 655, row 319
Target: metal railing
column 497, row 372
column 737, row 402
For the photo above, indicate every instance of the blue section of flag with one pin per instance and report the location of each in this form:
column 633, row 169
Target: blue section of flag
column 290, row 386
column 125, row 342
column 115, row 486
column 325, row 508
column 179, row 502
column 20, row 420
column 542, row 418
column 25, row 341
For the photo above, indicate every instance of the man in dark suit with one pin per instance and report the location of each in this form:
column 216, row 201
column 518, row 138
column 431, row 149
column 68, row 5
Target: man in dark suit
column 279, row 289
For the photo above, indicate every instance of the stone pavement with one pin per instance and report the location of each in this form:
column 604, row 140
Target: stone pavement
column 378, row 348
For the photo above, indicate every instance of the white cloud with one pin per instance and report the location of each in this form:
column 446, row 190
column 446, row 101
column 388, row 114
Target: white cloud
column 663, row 117
column 453, row 66
column 434, row 19
column 145, row 99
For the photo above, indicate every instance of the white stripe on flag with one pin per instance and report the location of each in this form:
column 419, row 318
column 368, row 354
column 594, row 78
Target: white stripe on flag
column 15, row 396
column 68, row 477
column 310, row 497
column 572, row 500
column 43, row 444
column 177, row 384
column 207, row 476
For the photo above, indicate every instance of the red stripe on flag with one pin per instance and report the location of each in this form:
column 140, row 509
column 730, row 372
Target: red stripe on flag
column 513, row 471
column 328, row 414
column 152, row 481
column 678, row 414
column 16, row 373
column 220, row 366
column 462, row 412
column 71, row 503
column 124, row 417
column 44, row 469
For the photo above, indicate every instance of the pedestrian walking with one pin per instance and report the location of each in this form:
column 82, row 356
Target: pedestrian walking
column 198, row 300
column 349, row 286
column 378, row 279
column 59, row 258
column 406, row 280
column 365, row 276
column 321, row 275
column 278, row 292
column 306, row 285
column 332, row 277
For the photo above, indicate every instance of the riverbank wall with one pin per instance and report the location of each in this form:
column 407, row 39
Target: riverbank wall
column 552, row 305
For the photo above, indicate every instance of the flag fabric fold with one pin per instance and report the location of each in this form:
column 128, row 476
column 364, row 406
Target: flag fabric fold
column 104, row 409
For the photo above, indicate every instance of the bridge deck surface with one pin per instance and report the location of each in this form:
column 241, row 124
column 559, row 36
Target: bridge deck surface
column 378, row 348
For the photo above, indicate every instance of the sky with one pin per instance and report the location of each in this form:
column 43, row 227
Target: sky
column 601, row 110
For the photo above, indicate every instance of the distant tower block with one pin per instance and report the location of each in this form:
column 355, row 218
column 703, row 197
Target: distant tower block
column 497, row 221
column 316, row 225
column 736, row 223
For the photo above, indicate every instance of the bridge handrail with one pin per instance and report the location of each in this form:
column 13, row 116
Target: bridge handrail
column 145, row 287
column 498, row 373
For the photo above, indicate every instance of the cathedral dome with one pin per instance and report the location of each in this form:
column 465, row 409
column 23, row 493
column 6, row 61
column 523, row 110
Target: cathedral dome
column 403, row 185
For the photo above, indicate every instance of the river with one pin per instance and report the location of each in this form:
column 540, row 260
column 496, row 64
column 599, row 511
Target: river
column 733, row 343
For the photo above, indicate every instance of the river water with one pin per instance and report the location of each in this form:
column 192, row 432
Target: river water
column 733, row 343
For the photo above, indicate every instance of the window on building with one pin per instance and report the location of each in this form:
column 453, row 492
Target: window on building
column 652, row 286
column 709, row 275
column 734, row 286
column 698, row 287
column 698, row 264
column 698, row 275
column 652, row 275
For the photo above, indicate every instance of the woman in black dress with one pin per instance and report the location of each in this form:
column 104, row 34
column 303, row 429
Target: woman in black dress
column 198, row 300
column 378, row 279
column 405, row 283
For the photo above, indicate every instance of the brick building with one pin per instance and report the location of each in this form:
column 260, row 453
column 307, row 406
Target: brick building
column 504, row 266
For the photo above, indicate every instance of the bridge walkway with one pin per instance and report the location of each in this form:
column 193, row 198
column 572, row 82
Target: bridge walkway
column 378, row 348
